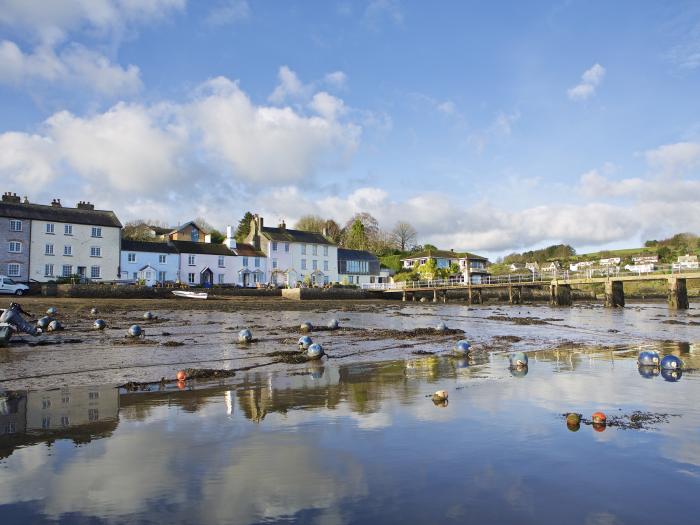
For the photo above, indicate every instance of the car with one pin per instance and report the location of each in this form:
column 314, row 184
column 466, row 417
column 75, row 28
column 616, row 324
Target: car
column 8, row 285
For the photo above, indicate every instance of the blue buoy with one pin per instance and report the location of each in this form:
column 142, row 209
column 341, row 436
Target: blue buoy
column 54, row 326
column 333, row 324
column 315, row 351
column 43, row 322
column 441, row 327
column 462, row 347
column 99, row 324
column 148, row 316
column 518, row 359
column 671, row 375
column 245, row 336
column 51, row 311
column 305, row 342
column 306, row 326
column 648, row 372
column 671, row 362
column 648, row 358
column 135, row 331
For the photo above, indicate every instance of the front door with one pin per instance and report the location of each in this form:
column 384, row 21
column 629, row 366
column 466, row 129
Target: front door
column 246, row 280
column 81, row 271
column 207, row 278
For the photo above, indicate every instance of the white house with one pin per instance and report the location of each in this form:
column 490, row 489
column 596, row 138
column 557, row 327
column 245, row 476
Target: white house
column 205, row 264
column 294, row 256
column 686, row 262
column 580, row 266
column 66, row 241
column 152, row 262
column 533, row 267
column 640, row 268
column 610, row 261
column 250, row 263
column 551, row 267
column 445, row 259
column 645, row 259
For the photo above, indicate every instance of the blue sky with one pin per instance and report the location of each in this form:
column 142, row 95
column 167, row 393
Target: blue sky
column 491, row 126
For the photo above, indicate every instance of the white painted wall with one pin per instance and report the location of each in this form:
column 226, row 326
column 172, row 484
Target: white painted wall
column 129, row 268
column 292, row 261
column 81, row 242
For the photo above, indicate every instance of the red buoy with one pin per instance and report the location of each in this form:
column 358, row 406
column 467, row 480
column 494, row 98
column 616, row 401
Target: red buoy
column 598, row 417
column 181, row 375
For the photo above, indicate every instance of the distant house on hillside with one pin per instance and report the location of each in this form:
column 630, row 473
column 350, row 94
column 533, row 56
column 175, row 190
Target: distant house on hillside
column 514, row 267
column 190, row 231
column 444, row 259
column 610, row 261
column 640, row 268
column 533, row 267
column 686, row 262
column 551, row 267
column 645, row 259
column 581, row 266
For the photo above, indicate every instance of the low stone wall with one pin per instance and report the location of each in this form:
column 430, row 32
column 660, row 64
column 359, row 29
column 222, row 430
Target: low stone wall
column 142, row 292
column 300, row 294
column 248, row 292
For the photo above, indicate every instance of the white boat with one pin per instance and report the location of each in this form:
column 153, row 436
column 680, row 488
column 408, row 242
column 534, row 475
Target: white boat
column 190, row 295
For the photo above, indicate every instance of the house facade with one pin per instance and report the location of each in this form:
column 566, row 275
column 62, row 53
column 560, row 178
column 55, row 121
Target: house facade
column 686, row 262
column 151, row 262
column 358, row 267
column 48, row 242
column 251, row 263
column 205, row 264
column 294, row 256
column 474, row 264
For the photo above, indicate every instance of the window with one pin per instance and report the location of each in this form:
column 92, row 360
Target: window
column 67, row 229
column 190, row 260
column 48, row 270
column 149, row 275
column 93, row 414
column 303, row 249
column 161, row 259
column 161, row 277
column 13, row 270
column 274, row 263
column 135, row 275
column 95, row 251
column 245, row 261
column 314, row 264
column 221, row 278
column 131, row 257
column 65, row 421
column 94, row 272
column 194, row 235
column 96, row 232
column 48, row 250
column 274, row 246
column 15, row 247
column 15, row 225
column 67, row 250
column 286, row 246
column 67, row 270
column 303, row 264
column 325, row 279
column 357, row 267
column 257, row 262
column 325, row 251
column 325, row 266
column 315, row 249
column 221, row 261
column 190, row 278
column 50, row 228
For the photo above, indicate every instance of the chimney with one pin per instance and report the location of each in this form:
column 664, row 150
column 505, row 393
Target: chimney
column 85, row 206
column 282, row 225
column 56, row 203
column 10, row 197
column 325, row 231
column 230, row 241
column 26, row 200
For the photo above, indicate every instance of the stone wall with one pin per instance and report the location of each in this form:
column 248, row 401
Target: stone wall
column 300, row 294
column 142, row 292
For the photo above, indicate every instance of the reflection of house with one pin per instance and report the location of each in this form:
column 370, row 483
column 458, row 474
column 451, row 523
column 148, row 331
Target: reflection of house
column 13, row 413
column 445, row 259
column 152, row 262
column 70, row 407
column 687, row 262
column 294, row 255
column 357, row 267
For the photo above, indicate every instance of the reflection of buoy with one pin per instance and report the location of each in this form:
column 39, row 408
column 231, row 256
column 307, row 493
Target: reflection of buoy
column 51, row 311
column 648, row 372
column 461, row 364
column 518, row 371
column 245, row 336
column 671, row 375
column 671, row 362
column 181, row 375
column 598, row 417
column 315, row 351
column 135, row 331
column 99, row 324
column 518, row 359
column 181, row 385
column 462, row 347
column 598, row 427
column 333, row 324
column 648, row 358
column 573, row 427
column 148, row 316
column 43, row 322
column 305, row 342
column 306, row 326
column 441, row 327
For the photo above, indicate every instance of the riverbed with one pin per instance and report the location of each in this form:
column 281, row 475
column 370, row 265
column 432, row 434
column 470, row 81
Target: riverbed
column 356, row 437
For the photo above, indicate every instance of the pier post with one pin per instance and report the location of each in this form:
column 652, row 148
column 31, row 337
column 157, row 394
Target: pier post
column 403, row 296
column 560, row 294
column 435, row 294
column 614, row 294
column 515, row 295
column 677, row 293
column 444, row 296
column 476, row 293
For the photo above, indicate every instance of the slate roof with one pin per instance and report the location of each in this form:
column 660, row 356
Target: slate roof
column 42, row 212
column 356, row 255
column 147, row 246
column 248, row 250
column 287, row 235
column 203, row 248
column 444, row 254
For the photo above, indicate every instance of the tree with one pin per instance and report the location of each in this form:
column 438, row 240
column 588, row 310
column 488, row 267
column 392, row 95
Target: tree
column 310, row 223
column 430, row 247
column 355, row 237
column 428, row 270
column 334, row 232
column 243, row 227
column 139, row 230
column 404, row 235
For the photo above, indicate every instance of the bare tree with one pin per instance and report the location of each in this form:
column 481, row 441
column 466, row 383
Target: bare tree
column 310, row 223
column 404, row 235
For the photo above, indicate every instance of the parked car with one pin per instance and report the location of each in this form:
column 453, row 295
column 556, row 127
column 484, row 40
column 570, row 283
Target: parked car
column 7, row 285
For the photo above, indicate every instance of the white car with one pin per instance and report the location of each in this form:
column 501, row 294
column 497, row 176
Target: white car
column 7, row 285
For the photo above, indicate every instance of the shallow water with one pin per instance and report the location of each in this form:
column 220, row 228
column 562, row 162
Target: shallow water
column 364, row 443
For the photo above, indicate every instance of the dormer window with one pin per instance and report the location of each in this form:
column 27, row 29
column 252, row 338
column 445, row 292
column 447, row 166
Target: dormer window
column 195, row 235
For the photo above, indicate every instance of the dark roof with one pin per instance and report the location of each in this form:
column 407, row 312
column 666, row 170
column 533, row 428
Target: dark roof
column 204, row 248
column 42, row 212
column 287, row 235
column 444, row 254
column 146, row 246
column 248, row 250
column 356, row 255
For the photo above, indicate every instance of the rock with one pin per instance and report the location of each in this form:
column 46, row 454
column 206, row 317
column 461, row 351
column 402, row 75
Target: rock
column 245, row 336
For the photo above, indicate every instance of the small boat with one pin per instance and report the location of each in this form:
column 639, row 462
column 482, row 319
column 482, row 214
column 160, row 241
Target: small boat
column 190, row 295
column 6, row 331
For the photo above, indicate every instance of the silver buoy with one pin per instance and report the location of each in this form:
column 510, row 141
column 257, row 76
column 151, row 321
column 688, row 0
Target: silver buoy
column 54, row 326
column 51, row 311
column 99, row 324
column 43, row 322
column 333, row 324
column 135, row 331
column 306, row 326
column 305, row 342
column 441, row 327
column 462, row 347
column 93, row 311
column 148, row 316
column 245, row 336
column 315, row 351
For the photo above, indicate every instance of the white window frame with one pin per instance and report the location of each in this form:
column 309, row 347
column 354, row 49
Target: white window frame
column 48, row 249
column 50, row 228
column 131, row 257
column 48, row 270
column 221, row 278
column 69, row 272
column 15, row 244
column 191, row 278
column 15, row 225
column 257, row 262
column 325, row 250
column 274, row 246
column 325, row 266
column 95, row 272
column 274, row 263
column 314, row 249
column 191, row 260
column 95, row 251
column 303, row 264
column 245, row 261
column 314, row 264
column 67, row 250
column 303, row 249
column 14, row 269
column 222, row 261
column 67, row 229
column 286, row 247
column 162, row 258
column 96, row 232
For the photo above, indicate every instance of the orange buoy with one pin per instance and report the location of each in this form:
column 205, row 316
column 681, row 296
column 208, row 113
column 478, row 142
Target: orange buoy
column 181, row 375
column 598, row 417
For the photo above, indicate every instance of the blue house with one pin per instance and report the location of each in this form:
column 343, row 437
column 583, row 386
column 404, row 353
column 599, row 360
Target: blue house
column 152, row 262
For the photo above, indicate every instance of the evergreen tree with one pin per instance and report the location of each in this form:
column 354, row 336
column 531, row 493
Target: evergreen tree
column 243, row 227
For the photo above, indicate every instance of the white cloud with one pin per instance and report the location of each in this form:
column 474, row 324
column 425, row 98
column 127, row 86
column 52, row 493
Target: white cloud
column 500, row 127
column 379, row 10
column 327, row 106
column 229, row 12
column 336, row 79
column 75, row 66
column 590, row 80
column 674, row 158
column 30, row 159
column 448, row 107
column 290, row 87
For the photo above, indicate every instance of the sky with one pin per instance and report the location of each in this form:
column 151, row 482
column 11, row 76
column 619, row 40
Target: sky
column 490, row 126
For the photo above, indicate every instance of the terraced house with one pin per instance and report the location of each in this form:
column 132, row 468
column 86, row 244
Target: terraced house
column 45, row 242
